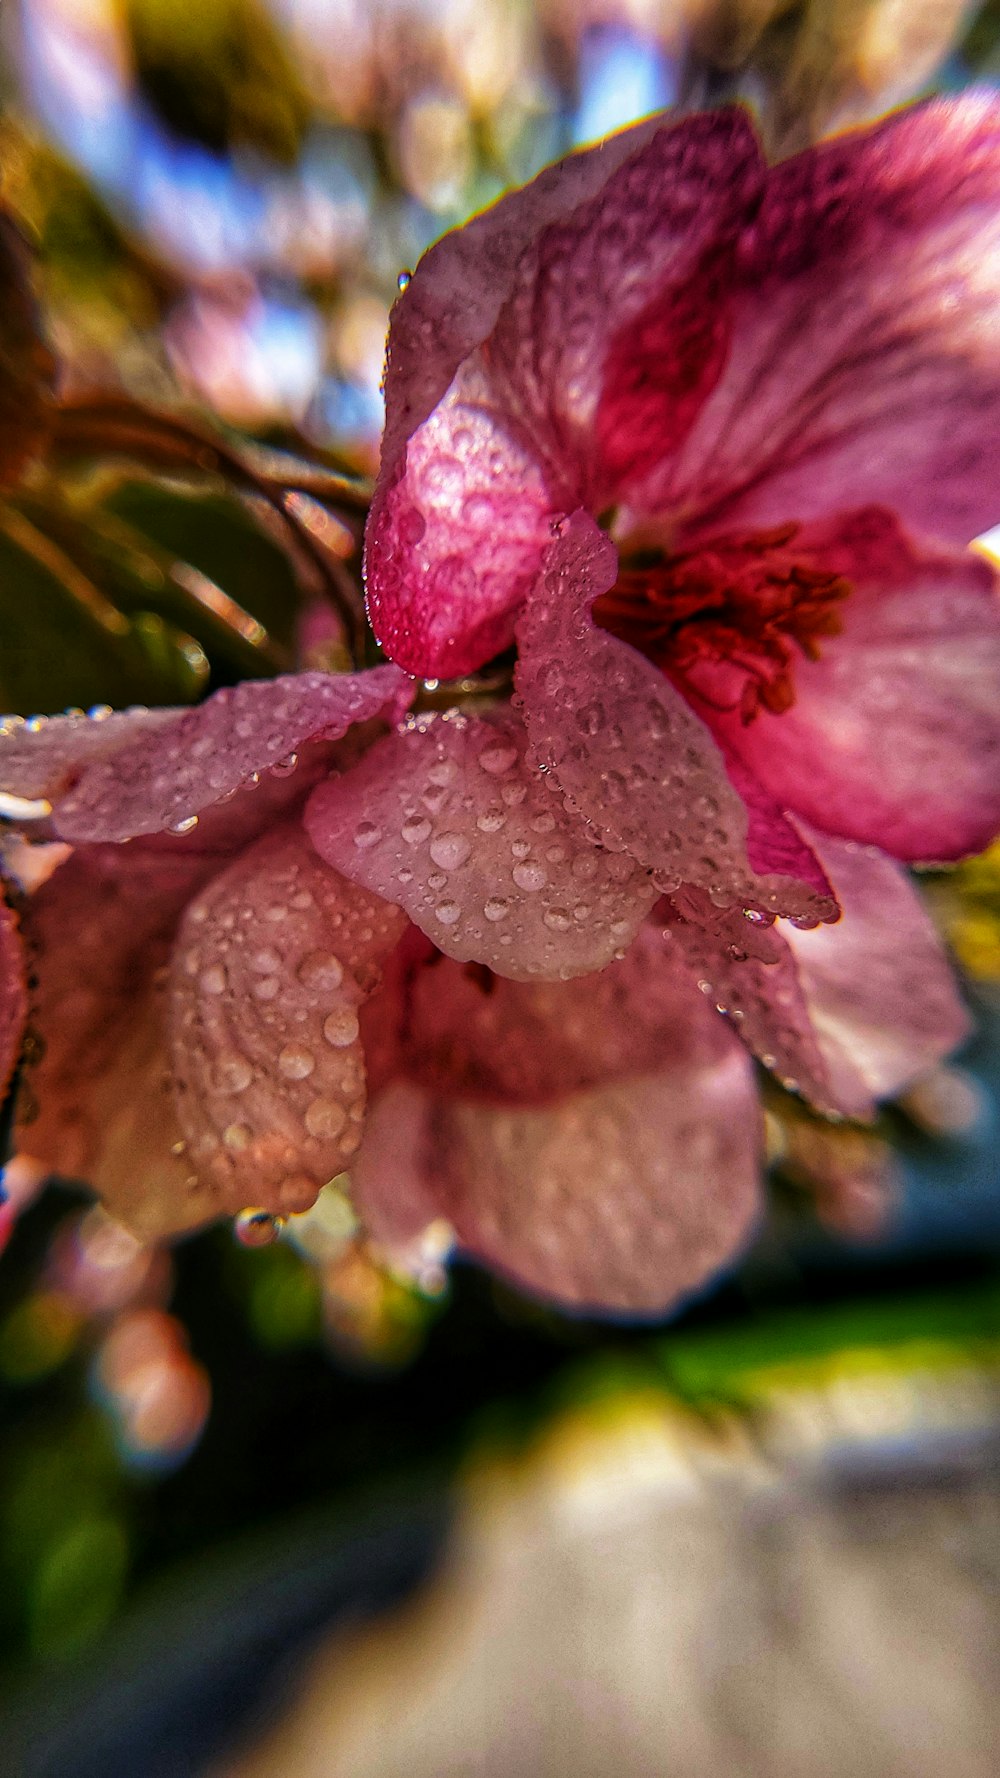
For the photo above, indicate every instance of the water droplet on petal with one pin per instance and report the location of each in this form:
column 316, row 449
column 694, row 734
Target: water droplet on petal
column 498, row 758
column 231, row 1074
column 530, row 876
column 416, row 829
column 340, row 1028
column 450, row 850
column 321, row 970
column 325, row 1118
column 448, row 912
column 367, row 834
column 213, row 980
column 296, row 1062
column 257, row 1228
column 237, row 1137
column 496, row 908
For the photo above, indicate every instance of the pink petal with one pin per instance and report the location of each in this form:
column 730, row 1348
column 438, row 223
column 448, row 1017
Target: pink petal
column 13, row 996
column 628, row 1187
column 864, row 359
column 459, row 522
column 471, row 1033
column 94, row 1103
column 634, row 760
column 894, row 736
column 45, row 755
column 622, row 1197
column 447, row 818
column 394, row 1185
column 849, row 1013
column 271, row 963
column 147, row 771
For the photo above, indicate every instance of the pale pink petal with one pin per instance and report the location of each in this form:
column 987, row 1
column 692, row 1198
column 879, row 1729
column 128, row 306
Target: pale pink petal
column 394, row 1182
column 145, row 772
column 850, row 1013
column 634, row 760
column 271, row 963
column 635, row 1179
column 622, row 1197
column 894, row 736
column 94, row 1102
column 471, row 1033
column 459, row 521
column 448, row 819
column 865, row 348
column 43, row 756
column 13, row 996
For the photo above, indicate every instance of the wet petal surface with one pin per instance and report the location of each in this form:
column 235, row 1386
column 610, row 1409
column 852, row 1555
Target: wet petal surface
column 447, row 818
column 634, row 760
column 270, row 966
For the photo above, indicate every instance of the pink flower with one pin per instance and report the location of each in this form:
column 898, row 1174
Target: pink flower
column 709, row 439
column 498, row 935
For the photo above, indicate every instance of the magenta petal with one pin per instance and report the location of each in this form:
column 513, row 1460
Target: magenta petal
column 144, row 772
column 634, row 760
column 894, row 736
column 849, row 1013
column 271, row 964
column 622, row 1197
column 497, row 410
column 865, row 351
column 13, row 996
column 447, row 818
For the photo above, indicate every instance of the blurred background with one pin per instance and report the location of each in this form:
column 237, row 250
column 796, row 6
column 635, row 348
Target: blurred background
column 211, row 1456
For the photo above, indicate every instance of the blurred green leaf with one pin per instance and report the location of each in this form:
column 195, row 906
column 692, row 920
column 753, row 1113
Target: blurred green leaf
column 219, row 73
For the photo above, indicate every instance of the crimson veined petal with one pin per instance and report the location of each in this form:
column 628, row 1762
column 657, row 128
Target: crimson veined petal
column 448, row 818
column 142, row 772
column 271, row 963
column 497, row 419
column 635, row 761
column 848, row 1014
column 863, row 358
column 894, row 735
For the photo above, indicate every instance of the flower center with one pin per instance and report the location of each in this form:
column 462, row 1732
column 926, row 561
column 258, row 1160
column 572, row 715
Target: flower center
column 723, row 620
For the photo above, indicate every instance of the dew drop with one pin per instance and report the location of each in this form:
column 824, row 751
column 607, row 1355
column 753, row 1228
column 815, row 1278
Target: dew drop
column 320, row 970
column 237, row 1137
column 416, row 829
column 268, row 988
column 491, row 820
column 185, row 825
column 496, row 908
column 367, row 834
column 340, row 1028
column 448, row 912
column 325, row 1118
column 530, row 876
column 557, row 919
column 213, row 980
column 403, row 280
column 257, row 1228
column 498, row 758
column 265, row 962
column 296, row 1062
column 450, row 850
column 231, row 1074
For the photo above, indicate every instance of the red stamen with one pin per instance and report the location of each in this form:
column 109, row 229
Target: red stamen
column 742, row 602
